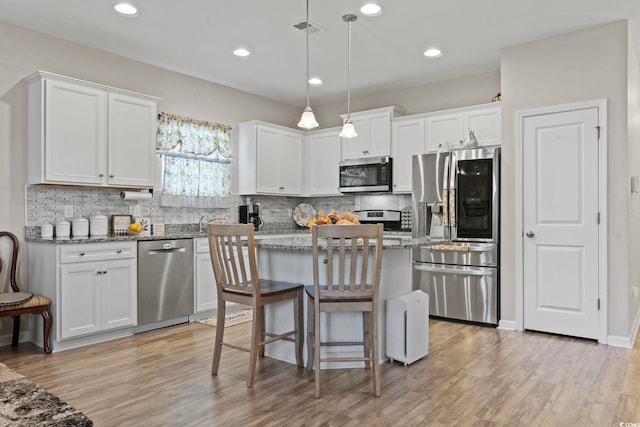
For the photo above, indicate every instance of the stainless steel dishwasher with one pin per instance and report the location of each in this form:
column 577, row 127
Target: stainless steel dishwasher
column 165, row 280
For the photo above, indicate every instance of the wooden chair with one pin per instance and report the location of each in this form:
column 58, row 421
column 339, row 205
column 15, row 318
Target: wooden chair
column 350, row 282
column 238, row 282
column 17, row 303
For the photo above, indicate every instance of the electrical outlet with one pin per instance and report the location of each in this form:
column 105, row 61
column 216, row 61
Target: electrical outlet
column 68, row 211
column 137, row 211
column 634, row 291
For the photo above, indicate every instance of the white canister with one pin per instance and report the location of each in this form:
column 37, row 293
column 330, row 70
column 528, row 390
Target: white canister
column 80, row 227
column 46, row 231
column 63, row 229
column 98, row 225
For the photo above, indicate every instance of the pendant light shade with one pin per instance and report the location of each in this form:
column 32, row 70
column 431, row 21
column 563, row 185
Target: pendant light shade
column 308, row 120
column 348, row 130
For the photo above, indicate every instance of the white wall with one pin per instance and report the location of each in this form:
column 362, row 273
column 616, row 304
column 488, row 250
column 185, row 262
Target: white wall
column 473, row 90
column 22, row 52
column 580, row 66
column 633, row 74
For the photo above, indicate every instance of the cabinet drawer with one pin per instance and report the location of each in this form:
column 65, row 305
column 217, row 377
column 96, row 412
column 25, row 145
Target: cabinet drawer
column 202, row 245
column 97, row 251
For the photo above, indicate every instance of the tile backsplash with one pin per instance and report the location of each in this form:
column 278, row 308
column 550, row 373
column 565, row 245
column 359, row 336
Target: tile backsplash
column 46, row 204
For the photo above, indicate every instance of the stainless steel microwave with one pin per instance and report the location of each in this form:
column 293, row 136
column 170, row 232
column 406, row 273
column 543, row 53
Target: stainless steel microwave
column 368, row 175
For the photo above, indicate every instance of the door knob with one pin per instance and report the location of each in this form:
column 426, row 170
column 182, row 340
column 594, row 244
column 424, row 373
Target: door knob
column 530, row 234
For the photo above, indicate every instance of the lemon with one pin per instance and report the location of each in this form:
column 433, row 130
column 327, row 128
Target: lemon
column 135, row 228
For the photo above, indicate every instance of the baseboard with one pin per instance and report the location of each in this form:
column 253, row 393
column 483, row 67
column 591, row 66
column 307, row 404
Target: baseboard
column 507, row 325
column 5, row 340
column 626, row 342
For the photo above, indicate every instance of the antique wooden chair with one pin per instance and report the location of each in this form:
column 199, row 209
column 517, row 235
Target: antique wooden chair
column 345, row 279
column 17, row 303
column 237, row 281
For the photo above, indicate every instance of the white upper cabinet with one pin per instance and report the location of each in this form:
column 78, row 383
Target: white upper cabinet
column 452, row 128
column 83, row 133
column 267, row 159
column 323, row 162
column 132, row 130
column 485, row 123
column 444, row 131
column 374, row 134
column 407, row 139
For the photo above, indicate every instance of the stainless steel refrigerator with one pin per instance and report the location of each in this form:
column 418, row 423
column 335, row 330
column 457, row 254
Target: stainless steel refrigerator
column 456, row 205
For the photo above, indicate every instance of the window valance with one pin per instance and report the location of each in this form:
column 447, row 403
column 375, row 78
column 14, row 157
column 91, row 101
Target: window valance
column 184, row 135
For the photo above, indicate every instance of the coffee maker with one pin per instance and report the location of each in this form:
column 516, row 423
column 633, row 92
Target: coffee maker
column 250, row 214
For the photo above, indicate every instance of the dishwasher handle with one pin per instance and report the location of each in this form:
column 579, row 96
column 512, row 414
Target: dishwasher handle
column 166, row 250
column 443, row 270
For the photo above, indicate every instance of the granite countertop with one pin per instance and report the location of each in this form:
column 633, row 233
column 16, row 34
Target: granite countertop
column 303, row 242
column 292, row 239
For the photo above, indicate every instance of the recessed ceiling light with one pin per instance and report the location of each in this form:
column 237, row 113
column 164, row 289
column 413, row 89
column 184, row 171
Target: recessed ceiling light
column 315, row 81
column 371, row 9
column 242, row 52
column 126, row 9
column 433, row 53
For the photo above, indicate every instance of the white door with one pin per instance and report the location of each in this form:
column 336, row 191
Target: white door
column 560, row 210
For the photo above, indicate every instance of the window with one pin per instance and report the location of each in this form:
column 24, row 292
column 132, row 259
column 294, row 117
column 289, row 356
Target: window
column 195, row 162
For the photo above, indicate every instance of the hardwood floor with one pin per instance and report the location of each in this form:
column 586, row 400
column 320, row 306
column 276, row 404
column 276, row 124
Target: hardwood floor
column 472, row 376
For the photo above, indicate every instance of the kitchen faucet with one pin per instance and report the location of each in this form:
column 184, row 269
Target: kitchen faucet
column 204, row 220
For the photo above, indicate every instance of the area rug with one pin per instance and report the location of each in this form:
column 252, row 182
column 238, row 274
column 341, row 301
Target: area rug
column 230, row 319
column 23, row 403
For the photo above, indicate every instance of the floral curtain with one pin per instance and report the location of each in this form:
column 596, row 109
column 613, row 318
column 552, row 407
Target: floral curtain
column 195, row 160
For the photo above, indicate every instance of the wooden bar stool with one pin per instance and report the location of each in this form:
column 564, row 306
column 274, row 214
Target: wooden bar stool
column 349, row 284
column 238, row 282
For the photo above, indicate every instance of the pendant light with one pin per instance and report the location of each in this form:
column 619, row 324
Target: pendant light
column 308, row 120
column 348, row 131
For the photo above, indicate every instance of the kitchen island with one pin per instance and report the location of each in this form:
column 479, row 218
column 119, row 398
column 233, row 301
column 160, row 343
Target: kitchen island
column 289, row 258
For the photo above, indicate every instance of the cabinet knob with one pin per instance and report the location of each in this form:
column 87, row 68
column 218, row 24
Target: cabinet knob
column 111, row 176
column 104, row 272
column 119, row 251
column 101, row 175
column 98, row 272
column 81, row 253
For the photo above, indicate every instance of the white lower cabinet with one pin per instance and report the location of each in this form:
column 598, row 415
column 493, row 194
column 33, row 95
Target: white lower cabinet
column 206, row 293
column 97, row 296
column 94, row 291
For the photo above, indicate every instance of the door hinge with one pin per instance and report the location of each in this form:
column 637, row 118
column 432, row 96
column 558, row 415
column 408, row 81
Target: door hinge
column 598, row 218
column 598, row 132
column 598, row 303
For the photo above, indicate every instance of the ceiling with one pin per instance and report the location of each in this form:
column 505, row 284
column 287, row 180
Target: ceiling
column 196, row 37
